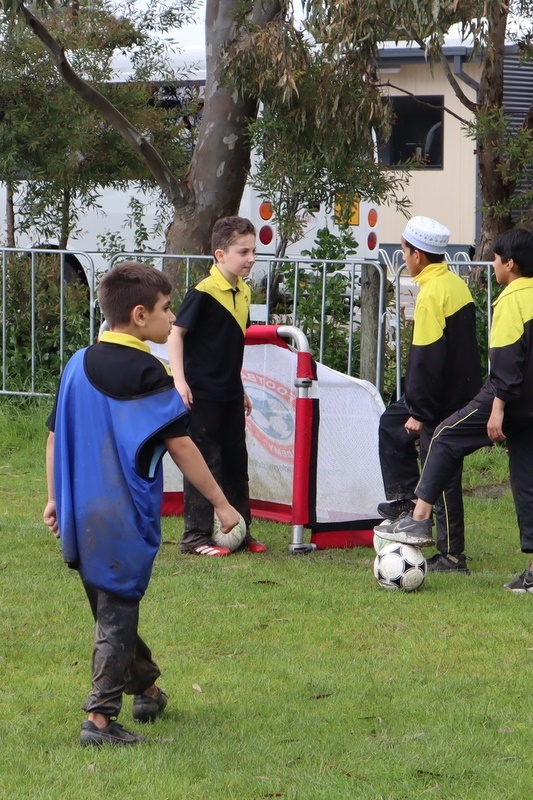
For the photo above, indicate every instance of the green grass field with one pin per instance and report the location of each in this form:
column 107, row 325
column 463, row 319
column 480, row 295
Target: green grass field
column 288, row 676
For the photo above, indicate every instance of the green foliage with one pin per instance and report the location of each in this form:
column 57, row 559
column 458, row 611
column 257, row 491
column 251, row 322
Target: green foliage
column 313, row 151
column 389, row 358
column 56, row 154
column 36, row 328
column 477, row 283
column 326, row 332
column 479, row 293
column 511, row 147
column 113, row 241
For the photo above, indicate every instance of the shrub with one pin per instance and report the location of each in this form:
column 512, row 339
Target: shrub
column 328, row 335
column 32, row 324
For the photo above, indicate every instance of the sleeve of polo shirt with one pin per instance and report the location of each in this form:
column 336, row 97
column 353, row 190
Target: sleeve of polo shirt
column 427, row 358
column 508, row 350
column 190, row 309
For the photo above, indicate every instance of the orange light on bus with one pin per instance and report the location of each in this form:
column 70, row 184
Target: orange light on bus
column 372, row 241
column 266, row 234
column 266, row 211
column 372, row 217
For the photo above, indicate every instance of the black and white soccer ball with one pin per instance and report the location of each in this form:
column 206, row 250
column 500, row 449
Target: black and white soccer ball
column 400, row 566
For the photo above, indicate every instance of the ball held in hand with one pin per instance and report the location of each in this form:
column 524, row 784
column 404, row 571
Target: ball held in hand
column 234, row 538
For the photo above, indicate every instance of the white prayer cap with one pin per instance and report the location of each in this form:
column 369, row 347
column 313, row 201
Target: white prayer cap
column 427, row 234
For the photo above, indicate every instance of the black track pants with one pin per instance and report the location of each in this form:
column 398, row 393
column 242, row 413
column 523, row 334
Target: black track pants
column 463, row 433
column 400, row 470
column 218, row 430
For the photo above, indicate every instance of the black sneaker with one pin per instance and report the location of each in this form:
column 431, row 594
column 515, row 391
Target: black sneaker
column 407, row 530
column 395, row 508
column 522, row 584
column 147, row 708
column 114, row 734
column 442, row 562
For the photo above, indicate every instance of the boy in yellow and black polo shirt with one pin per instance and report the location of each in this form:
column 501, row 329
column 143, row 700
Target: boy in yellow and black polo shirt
column 443, row 373
column 206, row 349
column 503, row 409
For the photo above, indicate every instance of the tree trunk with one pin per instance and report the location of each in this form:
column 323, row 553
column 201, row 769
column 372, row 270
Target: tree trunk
column 370, row 322
column 10, row 216
column 65, row 219
column 215, row 181
column 213, row 185
column 494, row 189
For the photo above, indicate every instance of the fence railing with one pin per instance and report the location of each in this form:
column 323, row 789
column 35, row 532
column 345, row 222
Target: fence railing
column 48, row 310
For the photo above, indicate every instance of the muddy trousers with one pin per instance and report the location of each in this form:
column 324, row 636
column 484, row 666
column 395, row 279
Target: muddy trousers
column 466, row 431
column 122, row 663
column 399, row 459
column 218, row 430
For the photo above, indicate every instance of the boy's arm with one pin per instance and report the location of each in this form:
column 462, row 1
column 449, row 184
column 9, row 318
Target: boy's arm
column 175, row 357
column 495, row 423
column 49, row 513
column 188, row 458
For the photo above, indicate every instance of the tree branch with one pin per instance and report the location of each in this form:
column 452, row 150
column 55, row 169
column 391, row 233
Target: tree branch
column 452, row 80
column 173, row 189
column 423, row 102
column 454, row 83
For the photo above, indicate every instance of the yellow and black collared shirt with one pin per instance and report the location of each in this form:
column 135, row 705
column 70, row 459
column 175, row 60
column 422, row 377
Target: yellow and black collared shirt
column 511, row 348
column 216, row 316
column 443, row 370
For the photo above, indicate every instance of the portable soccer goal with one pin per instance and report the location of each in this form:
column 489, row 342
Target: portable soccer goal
column 312, row 443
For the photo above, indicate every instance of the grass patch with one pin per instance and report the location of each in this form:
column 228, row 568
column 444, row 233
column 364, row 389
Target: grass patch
column 315, row 683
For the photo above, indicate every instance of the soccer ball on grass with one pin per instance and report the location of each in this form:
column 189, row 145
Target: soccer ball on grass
column 400, row 566
column 231, row 540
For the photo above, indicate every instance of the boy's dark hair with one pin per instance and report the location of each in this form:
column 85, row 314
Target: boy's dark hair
column 518, row 245
column 127, row 285
column 226, row 230
column 433, row 258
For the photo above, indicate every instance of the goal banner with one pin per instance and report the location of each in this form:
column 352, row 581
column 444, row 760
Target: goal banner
column 347, row 485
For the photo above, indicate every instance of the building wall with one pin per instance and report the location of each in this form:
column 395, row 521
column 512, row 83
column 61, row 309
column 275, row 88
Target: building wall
column 448, row 195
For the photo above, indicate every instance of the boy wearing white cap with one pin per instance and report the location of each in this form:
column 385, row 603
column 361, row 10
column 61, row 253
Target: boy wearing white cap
column 502, row 409
column 443, row 373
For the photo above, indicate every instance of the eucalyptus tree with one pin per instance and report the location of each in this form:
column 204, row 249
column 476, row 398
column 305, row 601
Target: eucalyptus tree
column 56, row 153
column 504, row 150
column 254, row 52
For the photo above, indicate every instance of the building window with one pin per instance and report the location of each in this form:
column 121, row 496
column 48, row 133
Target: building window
column 417, row 133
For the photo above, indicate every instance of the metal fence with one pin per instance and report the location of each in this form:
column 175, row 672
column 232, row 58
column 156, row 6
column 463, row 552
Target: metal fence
column 48, row 306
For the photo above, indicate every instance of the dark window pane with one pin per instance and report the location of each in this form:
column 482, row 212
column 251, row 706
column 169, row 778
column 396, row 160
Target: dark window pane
column 417, row 133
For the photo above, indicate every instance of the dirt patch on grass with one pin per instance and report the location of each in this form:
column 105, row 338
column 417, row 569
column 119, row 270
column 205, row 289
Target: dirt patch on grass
column 488, row 492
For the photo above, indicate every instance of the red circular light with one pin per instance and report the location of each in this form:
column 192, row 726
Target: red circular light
column 266, row 234
column 372, row 241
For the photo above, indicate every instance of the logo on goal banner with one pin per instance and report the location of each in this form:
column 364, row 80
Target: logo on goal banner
column 272, row 420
